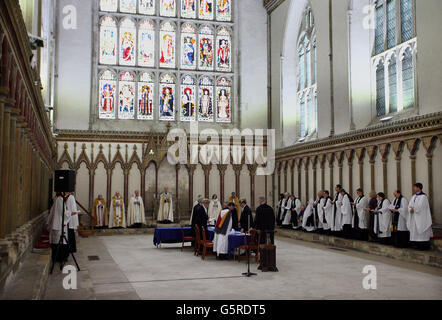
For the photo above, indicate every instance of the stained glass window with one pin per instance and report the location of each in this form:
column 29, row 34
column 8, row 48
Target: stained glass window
column 188, row 9
column 392, row 82
column 167, row 98
column 146, row 46
column 188, row 99
column 128, row 6
column 223, row 100
column 146, row 7
column 127, row 96
column 408, row 79
column 128, row 42
column 108, row 41
column 188, row 47
column 407, row 19
column 380, row 90
column 107, row 85
column 205, row 109
column 391, row 23
column 206, row 9
column 206, row 49
column 167, row 45
column 168, row 8
column 146, row 91
column 224, row 50
column 223, row 10
column 109, row 5
column 379, row 33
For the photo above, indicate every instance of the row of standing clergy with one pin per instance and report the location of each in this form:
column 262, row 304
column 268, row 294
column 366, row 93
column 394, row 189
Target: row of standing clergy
column 342, row 213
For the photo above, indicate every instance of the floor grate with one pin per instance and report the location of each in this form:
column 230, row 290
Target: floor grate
column 93, row 258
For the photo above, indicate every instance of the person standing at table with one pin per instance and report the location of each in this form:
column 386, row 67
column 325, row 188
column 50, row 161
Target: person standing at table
column 214, row 209
column 200, row 216
column 265, row 221
column 246, row 221
column 222, row 230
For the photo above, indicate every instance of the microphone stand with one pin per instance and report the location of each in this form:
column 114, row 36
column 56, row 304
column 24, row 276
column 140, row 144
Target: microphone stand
column 248, row 274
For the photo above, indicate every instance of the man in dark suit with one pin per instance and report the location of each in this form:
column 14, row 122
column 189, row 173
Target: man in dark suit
column 265, row 220
column 200, row 216
column 246, row 221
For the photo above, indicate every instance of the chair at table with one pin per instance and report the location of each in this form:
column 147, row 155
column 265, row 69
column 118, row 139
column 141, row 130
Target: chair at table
column 206, row 244
column 251, row 245
column 197, row 241
column 186, row 239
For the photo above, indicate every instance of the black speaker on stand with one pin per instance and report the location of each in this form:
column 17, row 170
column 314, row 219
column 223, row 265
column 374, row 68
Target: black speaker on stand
column 64, row 181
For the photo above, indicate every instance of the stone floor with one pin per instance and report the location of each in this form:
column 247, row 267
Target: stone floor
column 130, row 267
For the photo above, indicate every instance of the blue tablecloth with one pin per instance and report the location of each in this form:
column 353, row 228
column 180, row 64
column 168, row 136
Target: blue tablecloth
column 174, row 235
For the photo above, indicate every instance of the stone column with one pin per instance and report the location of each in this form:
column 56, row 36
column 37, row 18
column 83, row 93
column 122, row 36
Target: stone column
column 384, row 149
column 278, row 166
column 371, row 151
column 91, row 187
column 340, row 158
column 222, row 174
column 207, row 168
column 350, row 155
column 292, row 176
column 429, row 144
column 237, row 168
column 360, row 154
column 413, row 146
column 252, row 171
column 331, row 160
column 109, row 185
column 191, row 171
column 298, row 167
column 177, row 190
column 285, row 167
column 306, row 166
column 322, row 159
column 398, row 147
column 5, row 170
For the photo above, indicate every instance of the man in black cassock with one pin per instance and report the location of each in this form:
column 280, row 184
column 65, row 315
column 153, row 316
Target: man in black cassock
column 200, row 216
column 265, row 221
column 246, row 221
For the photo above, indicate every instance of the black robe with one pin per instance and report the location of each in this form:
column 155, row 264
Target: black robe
column 265, row 222
column 199, row 217
column 246, row 214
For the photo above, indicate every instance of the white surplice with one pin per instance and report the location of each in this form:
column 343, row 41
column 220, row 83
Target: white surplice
column 328, row 213
column 403, row 213
column 321, row 213
column 361, row 203
column 56, row 221
column 72, row 207
column 135, row 212
column 420, row 222
column 346, row 210
column 307, row 213
column 336, row 220
column 214, row 210
column 220, row 241
column 384, row 220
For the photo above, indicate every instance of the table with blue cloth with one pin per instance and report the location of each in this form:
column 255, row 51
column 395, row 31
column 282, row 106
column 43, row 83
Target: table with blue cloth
column 171, row 235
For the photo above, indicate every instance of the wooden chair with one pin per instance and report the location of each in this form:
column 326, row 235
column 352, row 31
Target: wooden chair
column 197, row 241
column 206, row 244
column 252, row 246
column 186, row 239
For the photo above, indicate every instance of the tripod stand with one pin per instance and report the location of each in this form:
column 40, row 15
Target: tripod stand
column 63, row 238
column 248, row 274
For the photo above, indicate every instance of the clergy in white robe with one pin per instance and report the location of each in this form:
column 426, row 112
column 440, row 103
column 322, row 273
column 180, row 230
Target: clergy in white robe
column 347, row 213
column 214, row 210
column 71, row 204
column 328, row 212
column 295, row 212
column 283, row 211
column 117, row 215
column 135, row 212
column 280, row 210
column 100, row 213
column 360, row 221
column 55, row 222
column 308, row 212
column 165, row 211
column 420, row 222
column 319, row 212
column 222, row 230
column 400, row 215
column 382, row 220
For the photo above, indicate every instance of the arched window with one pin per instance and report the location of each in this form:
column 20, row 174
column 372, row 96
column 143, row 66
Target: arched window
column 205, row 109
column 146, row 46
column 146, row 91
column 188, row 47
column 395, row 86
column 167, row 45
column 128, row 6
column 206, row 9
column 307, row 76
column 108, row 41
column 206, row 55
column 223, row 50
column 128, row 41
column 223, row 100
column 223, row 10
column 188, row 9
column 167, row 98
column 127, row 96
column 108, row 85
column 188, row 97
column 146, row 7
column 168, row 8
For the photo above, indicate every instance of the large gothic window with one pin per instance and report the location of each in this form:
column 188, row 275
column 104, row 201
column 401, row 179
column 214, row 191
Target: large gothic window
column 166, row 60
column 307, row 88
column 394, row 56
